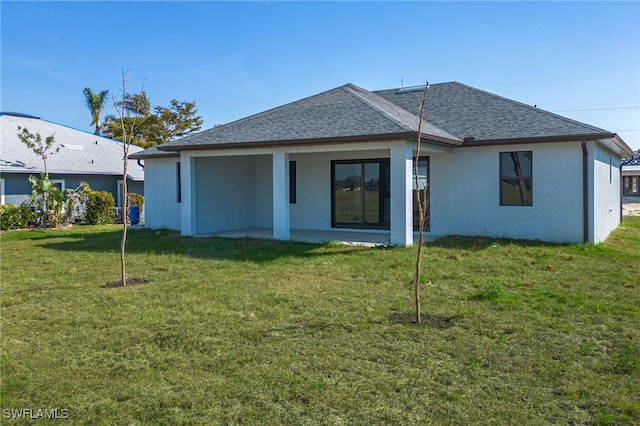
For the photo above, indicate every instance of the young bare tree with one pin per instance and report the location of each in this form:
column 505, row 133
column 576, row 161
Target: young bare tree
column 127, row 118
column 42, row 149
column 422, row 200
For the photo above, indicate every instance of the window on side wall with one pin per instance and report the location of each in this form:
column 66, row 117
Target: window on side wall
column 292, row 182
column 423, row 180
column 516, row 170
column 178, row 184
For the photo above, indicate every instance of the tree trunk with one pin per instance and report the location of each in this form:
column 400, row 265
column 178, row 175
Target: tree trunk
column 521, row 184
column 421, row 199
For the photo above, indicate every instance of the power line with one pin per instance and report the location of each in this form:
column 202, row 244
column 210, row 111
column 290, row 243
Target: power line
column 597, row 109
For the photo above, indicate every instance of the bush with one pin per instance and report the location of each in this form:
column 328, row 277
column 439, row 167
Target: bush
column 99, row 209
column 136, row 200
column 16, row 217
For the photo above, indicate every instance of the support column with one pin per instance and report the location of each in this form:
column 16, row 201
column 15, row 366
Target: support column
column 402, row 194
column 281, row 222
column 188, row 200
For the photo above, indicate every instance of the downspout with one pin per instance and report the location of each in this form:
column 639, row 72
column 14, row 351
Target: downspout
column 621, row 193
column 585, row 194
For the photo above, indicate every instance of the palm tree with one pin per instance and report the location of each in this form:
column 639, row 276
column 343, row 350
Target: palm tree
column 95, row 103
column 136, row 104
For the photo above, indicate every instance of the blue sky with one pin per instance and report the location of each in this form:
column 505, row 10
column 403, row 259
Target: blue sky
column 238, row 58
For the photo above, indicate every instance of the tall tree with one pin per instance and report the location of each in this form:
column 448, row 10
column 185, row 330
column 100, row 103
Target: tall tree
column 178, row 120
column 150, row 129
column 136, row 104
column 95, row 103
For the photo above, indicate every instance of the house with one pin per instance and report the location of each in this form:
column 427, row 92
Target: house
column 340, row 164
column 82, row 156
column 631, row 176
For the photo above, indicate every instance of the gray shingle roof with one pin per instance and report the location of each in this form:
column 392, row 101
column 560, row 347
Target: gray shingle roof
column 453, row 112
column 344, row 112
column 80, row 152
column 468, row 112
column 632, row 161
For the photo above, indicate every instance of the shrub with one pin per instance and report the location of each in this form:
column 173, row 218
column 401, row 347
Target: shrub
column 46, row 200
column 16, row 217
column 136, row 200
column 99, row 209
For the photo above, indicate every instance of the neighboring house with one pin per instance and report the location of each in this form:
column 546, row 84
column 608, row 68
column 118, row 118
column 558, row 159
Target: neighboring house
column 82, row 157
column 342, row 160
column 631, row 176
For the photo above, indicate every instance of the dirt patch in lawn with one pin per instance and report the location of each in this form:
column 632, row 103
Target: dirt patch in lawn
column 428, row 320
column 130, row 282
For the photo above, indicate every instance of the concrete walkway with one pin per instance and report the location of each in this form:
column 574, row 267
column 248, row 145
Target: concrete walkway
column 631, row 209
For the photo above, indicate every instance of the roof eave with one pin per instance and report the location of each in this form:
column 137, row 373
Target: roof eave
column 468, row 142
column 314, row 141
column 624, row 149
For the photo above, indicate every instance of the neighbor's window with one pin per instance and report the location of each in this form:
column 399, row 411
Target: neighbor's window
column 516, row 178
column 59, row 183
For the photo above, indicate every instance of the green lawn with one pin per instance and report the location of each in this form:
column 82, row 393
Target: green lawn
column 259, row 332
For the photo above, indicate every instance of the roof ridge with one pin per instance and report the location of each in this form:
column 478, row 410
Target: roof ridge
column 403, row 116
column 532, row 108
column 358, row 93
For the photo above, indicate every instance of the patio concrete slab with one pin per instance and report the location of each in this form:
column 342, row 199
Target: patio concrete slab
column 314, row 236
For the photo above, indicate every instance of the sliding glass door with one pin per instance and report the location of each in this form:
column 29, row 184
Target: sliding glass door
column 360, row 195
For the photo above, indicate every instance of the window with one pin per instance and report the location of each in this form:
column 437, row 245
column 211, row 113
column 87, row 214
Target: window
column 178, row 184
column 2, row 192
column 360, row 196
column 59, row 183
column 423, row 180
column 292, row 182
column 516, row 178
column 630, row 185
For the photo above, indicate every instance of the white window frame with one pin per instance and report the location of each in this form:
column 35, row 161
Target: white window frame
column 2, row 192
column 60, row 181
column 120, row 193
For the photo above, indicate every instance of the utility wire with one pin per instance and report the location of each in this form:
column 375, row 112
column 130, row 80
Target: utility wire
column 597, row 109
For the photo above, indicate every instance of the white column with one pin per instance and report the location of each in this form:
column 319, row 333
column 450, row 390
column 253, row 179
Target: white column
column 188, row 201
column 401, row 194
column 281, row 225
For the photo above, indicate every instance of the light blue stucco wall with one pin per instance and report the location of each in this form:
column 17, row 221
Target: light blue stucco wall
column 17, row 187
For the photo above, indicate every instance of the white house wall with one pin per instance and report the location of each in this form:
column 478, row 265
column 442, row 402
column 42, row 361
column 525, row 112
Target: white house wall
column 224, row 196
column 262, row 190
column 465, row 194
column 162, row 210
column 606, row 192
column 234, row 190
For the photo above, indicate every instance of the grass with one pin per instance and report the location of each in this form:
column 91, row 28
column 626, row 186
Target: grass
column 263, row 332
